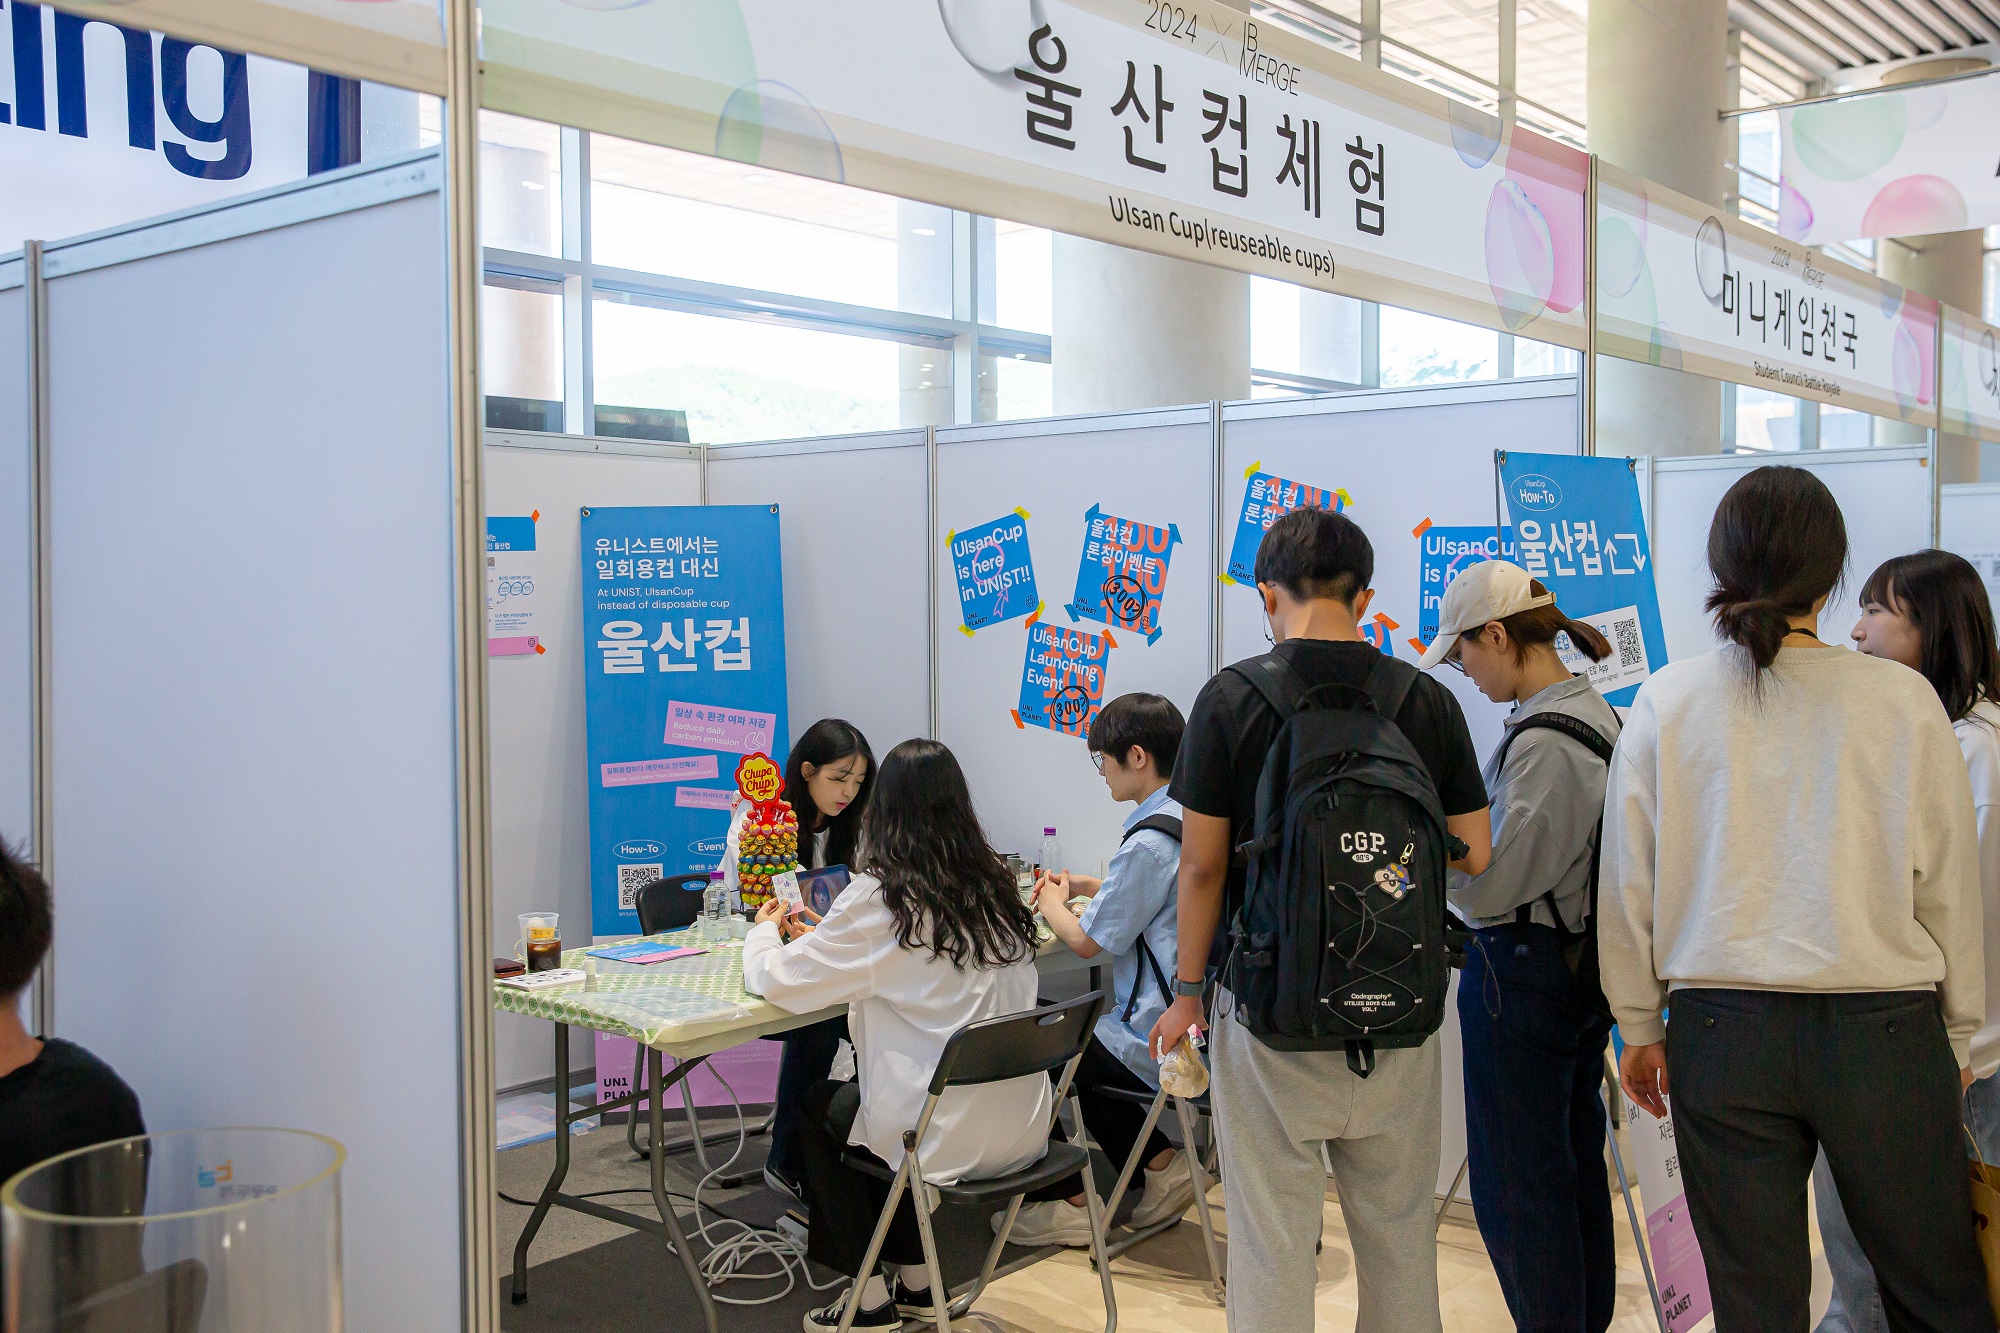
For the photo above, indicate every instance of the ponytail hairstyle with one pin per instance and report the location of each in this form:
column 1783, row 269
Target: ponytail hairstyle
column 1778, row 545
column 1541, row 624
column 1942, row 595
column 947, row 890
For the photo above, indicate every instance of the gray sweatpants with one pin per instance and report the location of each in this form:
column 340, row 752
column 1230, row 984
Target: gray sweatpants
column 1273, row 1109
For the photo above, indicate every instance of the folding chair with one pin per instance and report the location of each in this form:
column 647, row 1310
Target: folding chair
column 990, row 1051
column 1186, row 1110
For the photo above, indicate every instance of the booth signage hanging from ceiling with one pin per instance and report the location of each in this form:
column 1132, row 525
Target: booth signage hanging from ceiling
column 1903, row 162
column 1970, row 377
column 396, row 42
column 1682, row 285
column 1194, row 132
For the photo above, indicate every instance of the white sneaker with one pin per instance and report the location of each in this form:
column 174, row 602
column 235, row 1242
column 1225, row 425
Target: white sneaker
column 1169, row 1193
column 1055, row 1222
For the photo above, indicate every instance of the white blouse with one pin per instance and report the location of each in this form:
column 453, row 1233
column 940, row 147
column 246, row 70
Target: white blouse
column 903, row 1005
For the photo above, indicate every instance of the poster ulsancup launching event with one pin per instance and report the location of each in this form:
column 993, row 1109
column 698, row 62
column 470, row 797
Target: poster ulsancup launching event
column 684, row 643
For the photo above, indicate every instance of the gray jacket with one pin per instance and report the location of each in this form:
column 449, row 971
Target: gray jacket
column 1546, row 803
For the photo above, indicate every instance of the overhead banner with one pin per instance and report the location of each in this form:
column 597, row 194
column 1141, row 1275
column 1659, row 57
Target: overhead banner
column 1902, row 162
column 1970, row 377
column 1688, row 287
column 684, row 652
column 1189, row 130
column 1577, row 526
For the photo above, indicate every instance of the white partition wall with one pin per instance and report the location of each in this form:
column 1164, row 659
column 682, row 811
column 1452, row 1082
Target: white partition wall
column 17, row 569
column 253, row 678
column 1405, row 458
column 854, row 518
column 1885, row 500
column 1150, row 467
column 1969, row 524
column 540, row 792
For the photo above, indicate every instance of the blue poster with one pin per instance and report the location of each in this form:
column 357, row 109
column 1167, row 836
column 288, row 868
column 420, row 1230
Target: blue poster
column 1121, row 578
column 995, row 571
column 1062, row 678
column 684, row 674
column 1579, row 529
column 1442, row 553
column 1266, row 499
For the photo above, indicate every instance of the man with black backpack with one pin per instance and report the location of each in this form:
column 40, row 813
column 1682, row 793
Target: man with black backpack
column 1325, row 785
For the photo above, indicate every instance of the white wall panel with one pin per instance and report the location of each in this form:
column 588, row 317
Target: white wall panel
column 1150, row 467
column 541, row 797
column 16, row 579
column 1885, row 501
column 1969, row 523
column 853, row 520
column 253, row 677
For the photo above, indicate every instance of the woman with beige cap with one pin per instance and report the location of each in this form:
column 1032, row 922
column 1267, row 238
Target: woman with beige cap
column 1533, row 1031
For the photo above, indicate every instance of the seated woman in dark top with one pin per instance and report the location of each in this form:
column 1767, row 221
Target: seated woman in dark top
column 54, row 1095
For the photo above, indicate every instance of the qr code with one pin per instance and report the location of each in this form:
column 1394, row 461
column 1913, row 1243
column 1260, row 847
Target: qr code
column 1631, row 652
column 631, row 879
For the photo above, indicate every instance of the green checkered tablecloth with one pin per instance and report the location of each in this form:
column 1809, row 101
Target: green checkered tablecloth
column 659, row 1001
column 646, row 1002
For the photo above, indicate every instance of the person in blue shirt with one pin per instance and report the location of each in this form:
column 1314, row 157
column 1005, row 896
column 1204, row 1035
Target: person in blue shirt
column 1132, row 916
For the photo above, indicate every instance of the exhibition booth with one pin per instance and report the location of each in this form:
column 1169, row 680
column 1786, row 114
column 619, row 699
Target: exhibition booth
column 288, row 801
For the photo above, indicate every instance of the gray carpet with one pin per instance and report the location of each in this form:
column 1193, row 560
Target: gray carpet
column 586, row 1275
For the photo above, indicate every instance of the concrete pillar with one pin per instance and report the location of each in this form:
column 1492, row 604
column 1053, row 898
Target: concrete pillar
column 1135, row 329
column 1949, row 266
column 1658, row 73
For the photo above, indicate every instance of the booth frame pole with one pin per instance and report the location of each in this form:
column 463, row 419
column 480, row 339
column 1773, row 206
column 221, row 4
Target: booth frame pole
column 479, row 1294
column 930, row 571
column 1587, row 379
column 1937, row 429
column 1215, row 569
column 42, row 620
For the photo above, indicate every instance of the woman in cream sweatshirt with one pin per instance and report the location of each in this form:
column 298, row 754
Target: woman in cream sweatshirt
column 1790, row 863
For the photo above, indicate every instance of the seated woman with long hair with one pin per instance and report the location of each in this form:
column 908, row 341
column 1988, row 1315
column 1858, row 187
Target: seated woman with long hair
column 931, row 935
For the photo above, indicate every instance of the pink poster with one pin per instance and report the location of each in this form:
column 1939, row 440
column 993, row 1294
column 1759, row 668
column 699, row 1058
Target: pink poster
column 752, row 1070
column 702, row 727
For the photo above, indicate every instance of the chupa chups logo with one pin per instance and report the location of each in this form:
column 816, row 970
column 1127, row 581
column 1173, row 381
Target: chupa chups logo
column 637, row 849
column 758, row 778
column 1537, row 492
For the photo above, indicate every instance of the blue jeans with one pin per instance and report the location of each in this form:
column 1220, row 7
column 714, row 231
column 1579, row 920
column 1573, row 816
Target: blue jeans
column 1857, row 1302
column 1534, row 1120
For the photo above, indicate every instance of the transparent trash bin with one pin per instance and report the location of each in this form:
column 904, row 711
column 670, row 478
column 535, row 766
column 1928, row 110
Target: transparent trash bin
column 197, row 1231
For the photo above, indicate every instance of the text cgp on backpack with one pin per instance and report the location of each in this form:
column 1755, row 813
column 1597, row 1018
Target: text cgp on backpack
column 1339, row 943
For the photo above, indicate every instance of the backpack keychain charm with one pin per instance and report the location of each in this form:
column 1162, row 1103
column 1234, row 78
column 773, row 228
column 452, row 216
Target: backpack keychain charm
column 1394, row 880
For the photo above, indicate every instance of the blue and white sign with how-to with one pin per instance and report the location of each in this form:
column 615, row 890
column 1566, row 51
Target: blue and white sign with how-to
column 684, row 651
column 995, row 571
column 1578, row 527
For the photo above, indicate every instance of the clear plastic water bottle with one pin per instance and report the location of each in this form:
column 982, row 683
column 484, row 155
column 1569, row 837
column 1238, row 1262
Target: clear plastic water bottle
column 1050, row 856
column 714, row 903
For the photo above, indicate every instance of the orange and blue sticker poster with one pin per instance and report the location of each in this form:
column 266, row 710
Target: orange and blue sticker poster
column 1443, row 554
column 995, row 571
column 1122, row 577
column 1266, row 499
column 1062, row 680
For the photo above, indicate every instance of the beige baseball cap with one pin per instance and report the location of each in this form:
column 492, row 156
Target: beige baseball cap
column 1488, row 591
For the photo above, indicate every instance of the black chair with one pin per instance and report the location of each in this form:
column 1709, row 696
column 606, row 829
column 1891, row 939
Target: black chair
column 673, row 903
column 1186, row 1109
column 990, row 1051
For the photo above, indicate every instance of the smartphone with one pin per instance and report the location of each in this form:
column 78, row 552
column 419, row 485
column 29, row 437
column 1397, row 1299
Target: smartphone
column 820, row 887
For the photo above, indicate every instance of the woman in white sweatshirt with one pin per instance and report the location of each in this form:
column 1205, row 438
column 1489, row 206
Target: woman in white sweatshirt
column 1790, row 850
column 930, row 936
column 1930, row 612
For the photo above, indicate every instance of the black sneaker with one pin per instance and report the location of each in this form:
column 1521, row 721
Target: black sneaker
column 784, row 1183
column 828, row 1316
column 913, row 1303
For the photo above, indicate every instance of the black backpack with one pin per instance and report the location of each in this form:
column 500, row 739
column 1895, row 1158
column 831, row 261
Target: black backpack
column 1170, row 826
column 1339, row 941
column 1579, row 947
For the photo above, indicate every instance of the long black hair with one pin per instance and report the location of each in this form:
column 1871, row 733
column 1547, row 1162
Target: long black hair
column 1941, row 594
column 1778, row 544
column 828, row 741
column 947, row 889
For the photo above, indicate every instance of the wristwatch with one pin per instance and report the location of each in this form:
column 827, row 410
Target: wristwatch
column 1193, row 988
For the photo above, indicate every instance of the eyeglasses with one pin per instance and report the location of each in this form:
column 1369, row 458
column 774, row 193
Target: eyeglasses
column 1097, row 760
column 1454, row 661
